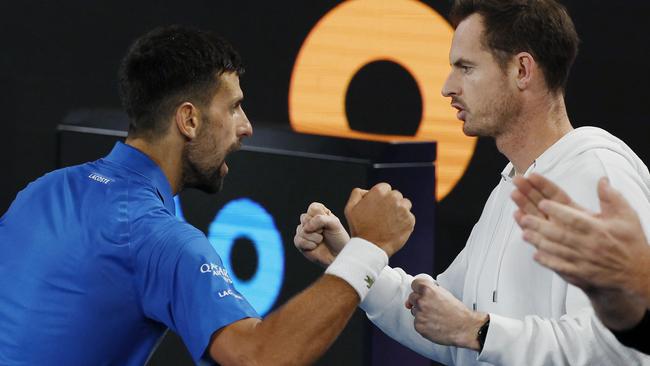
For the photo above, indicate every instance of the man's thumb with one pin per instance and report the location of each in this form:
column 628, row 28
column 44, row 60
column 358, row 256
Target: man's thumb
column 612, row 201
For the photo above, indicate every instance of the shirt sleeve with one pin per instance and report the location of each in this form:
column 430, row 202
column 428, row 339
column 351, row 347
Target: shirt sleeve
column 577, row 338
column 384, row 306
column 185, row 286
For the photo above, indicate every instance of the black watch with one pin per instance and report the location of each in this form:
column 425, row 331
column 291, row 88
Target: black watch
column 482, row 334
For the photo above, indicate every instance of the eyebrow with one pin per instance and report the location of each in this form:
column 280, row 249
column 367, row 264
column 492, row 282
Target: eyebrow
column 461, row 62
column 237, row 100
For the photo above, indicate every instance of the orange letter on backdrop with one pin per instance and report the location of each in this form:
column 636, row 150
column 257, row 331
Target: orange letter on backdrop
column 358, row 32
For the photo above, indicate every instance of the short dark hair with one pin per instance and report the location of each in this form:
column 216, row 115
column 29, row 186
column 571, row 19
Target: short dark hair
column 541, row 27
column 168, row 66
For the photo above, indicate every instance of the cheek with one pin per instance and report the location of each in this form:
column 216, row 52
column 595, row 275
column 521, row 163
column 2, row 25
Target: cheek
column 204, row 148
column 486, row 92
column 225, row 135
column 229, row 130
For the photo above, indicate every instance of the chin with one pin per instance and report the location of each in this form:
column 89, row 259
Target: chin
column 213, row 186
column 469, row 131
column 208, row 183
column 209, row 188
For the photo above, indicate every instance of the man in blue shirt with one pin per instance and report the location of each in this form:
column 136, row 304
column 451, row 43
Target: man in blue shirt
column 94, row 266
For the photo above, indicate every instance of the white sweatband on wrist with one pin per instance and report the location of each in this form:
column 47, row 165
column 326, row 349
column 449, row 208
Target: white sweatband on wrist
column 359, row 264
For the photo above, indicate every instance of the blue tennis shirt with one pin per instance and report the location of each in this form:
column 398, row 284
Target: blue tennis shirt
column 94, row 266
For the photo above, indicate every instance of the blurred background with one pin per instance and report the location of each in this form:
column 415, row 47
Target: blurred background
column 365, row 69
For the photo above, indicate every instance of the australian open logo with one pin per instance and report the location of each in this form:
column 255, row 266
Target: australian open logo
column 99, row 178
column 216, row 270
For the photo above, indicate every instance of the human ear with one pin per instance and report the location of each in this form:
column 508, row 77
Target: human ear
column 187, row 120
column 525, row 66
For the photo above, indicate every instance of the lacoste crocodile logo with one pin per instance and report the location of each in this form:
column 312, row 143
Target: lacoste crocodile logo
column 369, row 281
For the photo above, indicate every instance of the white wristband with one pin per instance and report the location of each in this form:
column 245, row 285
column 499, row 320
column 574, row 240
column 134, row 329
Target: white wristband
column 359, row 264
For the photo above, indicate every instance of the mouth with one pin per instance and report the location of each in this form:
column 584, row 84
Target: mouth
column 234, row 148
column 462, row 113
column 224, row 166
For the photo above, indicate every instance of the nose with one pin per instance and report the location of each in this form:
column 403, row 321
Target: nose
column 450, row 87
column 246, row 128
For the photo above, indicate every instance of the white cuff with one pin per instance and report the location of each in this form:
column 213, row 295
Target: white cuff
column 359, row 264
column 386, row 287
column 500, row 338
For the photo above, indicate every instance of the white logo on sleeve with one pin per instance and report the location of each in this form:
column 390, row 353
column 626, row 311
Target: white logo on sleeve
column 229, row 292
column 217, row 271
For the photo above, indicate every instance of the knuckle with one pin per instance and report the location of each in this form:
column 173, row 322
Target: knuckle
column 564, row 236
column 382, row 187
column 419, row 326
column 545, row 245
column 298, row 242
column 581, row 224
column 317, row 221
column 357, row 192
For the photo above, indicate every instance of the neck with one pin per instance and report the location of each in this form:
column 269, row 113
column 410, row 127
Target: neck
column 164, row 153
column 540, row 125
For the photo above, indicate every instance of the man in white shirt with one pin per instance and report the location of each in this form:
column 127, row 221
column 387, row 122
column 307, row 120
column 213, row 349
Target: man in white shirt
column 494, row 304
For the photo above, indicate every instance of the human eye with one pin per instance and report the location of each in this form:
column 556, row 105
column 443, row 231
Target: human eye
column 236, row 106
column 465, row 69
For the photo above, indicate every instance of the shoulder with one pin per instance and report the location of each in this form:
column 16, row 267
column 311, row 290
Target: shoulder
column 580, row 175
column 164, row 234
column 602, row 162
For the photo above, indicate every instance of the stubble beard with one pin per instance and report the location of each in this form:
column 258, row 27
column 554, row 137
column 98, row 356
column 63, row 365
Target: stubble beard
column 497, row 118
column 198, row 169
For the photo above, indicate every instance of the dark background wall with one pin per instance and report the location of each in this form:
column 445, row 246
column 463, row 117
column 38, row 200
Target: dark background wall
column 62, row 56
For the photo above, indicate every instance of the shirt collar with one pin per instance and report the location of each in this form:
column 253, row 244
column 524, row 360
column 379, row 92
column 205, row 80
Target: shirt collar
column 135, row 160
column 509, row 172
column 547, row 159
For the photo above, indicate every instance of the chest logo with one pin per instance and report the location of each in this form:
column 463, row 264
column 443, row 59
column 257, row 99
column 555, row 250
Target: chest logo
column 99, row 178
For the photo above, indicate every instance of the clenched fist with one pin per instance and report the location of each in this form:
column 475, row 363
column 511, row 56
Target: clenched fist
column 442, row 318
column 320, row 236
column 381, row 215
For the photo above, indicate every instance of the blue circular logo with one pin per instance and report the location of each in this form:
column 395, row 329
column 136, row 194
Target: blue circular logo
column 246, row 218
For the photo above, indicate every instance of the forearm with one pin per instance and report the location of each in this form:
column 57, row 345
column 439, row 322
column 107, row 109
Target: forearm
column 571, row 340
column 384, row 306
column 637, row 337
column 305, row 327
column 617, row 310
column 640, row 279
column 300, row 331
column 623, row 307
column 295, row 334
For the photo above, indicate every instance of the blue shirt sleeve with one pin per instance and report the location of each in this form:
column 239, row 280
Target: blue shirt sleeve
column 185, row 286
